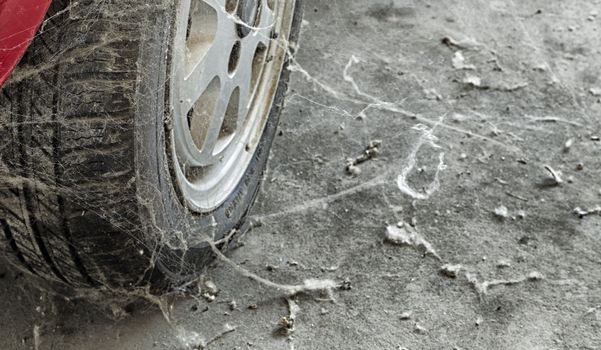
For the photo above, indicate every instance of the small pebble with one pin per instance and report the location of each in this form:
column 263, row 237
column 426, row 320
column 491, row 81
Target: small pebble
column 595, row 91
column 414, row 221
column 353, row 170
column 568, row 145
column 472, row 80
column 420, row 329
column 405, row 315
column 501, row 212
column 346, row 285
column 210, row 287
column 535, row 276
column 451, row 270
column 503, row 263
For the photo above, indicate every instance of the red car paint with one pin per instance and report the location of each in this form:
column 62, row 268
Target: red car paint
column 19, row 22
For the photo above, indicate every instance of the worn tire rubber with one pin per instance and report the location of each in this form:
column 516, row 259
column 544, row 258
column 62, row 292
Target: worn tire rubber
column 86, row 192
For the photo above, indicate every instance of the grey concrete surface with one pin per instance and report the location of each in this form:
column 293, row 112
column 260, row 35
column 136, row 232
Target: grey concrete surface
column 379, row 70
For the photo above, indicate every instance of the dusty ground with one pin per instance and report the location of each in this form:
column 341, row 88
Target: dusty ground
column 539, row 64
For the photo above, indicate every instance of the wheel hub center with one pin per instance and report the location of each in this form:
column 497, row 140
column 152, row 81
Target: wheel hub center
column 248, row 11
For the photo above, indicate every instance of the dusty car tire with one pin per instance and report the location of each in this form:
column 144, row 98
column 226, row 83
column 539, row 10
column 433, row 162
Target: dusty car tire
column 88, row 190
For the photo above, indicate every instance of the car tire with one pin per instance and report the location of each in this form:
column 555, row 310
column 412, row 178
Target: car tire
column 88, row 194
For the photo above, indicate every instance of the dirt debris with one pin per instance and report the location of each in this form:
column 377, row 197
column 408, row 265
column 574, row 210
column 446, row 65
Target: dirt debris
column 402, row 234
column 353, row 170
column 458, row 117
column 406, row 315
column 501, row 181
column 209, row 290
column 482, row 288
column 509, row 87
column 271, row 268
column 592, row 310
column 210, row 287
column 568, row 145
column 459, row 62
column 419, row 329
column 501, row 212
column 516, row 196
column 286, row 324
column 554, row 180
column 463, row 44
column 371, row 151
column 582, row 213
column 503, row 263
column 497, row 65
column 475, row 82
column 345, row 285
column 535, row 276
column 432, row 94
column 451, row 270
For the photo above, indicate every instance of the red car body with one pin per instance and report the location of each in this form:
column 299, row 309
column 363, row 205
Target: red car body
column 19, row 23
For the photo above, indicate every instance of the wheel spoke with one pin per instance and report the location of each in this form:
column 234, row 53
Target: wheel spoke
column 218, row 5
column 250, row 44
column 215, row 124
column 193, row 85
column 212, row 64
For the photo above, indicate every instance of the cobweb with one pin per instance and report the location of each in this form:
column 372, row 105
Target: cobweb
column 373, row 93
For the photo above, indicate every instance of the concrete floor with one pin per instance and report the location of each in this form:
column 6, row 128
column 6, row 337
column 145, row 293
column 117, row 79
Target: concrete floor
column 529, row 81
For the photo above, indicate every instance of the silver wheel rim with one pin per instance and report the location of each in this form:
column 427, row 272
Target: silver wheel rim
column 224, row 75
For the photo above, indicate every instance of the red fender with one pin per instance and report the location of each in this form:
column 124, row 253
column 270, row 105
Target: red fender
column 19, row 22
